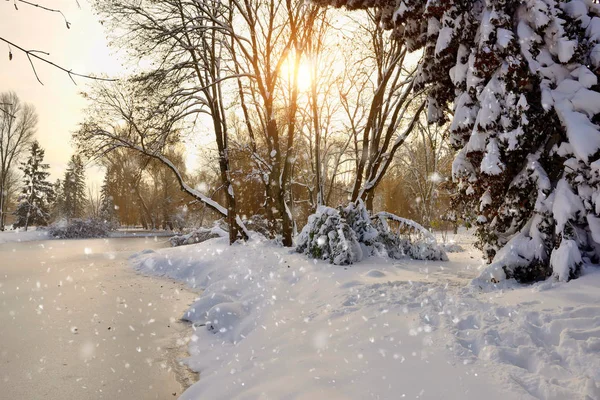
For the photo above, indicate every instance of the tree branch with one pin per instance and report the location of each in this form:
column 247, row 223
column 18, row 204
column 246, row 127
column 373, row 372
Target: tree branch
column 34, row 54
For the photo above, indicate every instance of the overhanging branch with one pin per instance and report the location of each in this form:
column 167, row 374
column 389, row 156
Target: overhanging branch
column 31, row 54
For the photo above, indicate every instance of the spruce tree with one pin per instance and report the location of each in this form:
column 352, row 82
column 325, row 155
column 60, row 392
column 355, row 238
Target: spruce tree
column 73, row 189
column 57, row 206
column 520, row 79
column 107, row 205
column 37, row 192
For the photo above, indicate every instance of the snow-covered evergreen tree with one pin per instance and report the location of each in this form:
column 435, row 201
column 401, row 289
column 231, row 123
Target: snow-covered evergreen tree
column 73, row 189
column 327, row 236
column 521, row 79
column 37, row 192
column 57, row 205
column 108, row 212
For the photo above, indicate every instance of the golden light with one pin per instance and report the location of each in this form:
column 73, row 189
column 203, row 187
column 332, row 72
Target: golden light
column 304, row 78
column 303, row 75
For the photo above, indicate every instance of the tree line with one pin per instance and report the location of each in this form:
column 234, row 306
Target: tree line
column 135, row 191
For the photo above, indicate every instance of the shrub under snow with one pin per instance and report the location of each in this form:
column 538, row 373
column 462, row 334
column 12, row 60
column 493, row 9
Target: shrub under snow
column 327, row 236
column 347, row 235
column 424, row 247
column 452, row 248
column 79, row 229
column 198, row 236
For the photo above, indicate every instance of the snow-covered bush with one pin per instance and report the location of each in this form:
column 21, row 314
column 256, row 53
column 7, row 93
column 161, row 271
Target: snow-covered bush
column 327, row 236
column 422, row 247
column 423, row 250
column 452, row 248
column 357, row 216
column 79, row 229
column 198, row 236
column 348, row 235
column 392, row 242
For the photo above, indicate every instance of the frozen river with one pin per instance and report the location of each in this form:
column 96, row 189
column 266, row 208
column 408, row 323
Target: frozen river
column 77, row 323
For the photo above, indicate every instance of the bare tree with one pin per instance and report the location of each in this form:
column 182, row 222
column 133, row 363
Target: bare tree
column 379, row 108
column 425, row 163
column 268, row 35
column 18, row 122
column 198, row 47
column 189, row 44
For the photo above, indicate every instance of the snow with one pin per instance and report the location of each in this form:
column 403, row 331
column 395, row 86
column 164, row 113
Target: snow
column 566, row 205
column 32, row 234
column 444, row 39
column 23, row 236
column 272, row 324
column 491, row 163
column 565, row 259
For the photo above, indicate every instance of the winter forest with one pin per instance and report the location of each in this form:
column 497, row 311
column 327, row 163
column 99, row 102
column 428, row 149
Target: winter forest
column 379, row 192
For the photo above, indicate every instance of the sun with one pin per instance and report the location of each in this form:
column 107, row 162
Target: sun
column 303, row 77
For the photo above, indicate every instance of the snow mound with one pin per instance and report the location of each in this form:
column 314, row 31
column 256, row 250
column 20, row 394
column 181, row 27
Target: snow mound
column 229, row 319
column 374, row 273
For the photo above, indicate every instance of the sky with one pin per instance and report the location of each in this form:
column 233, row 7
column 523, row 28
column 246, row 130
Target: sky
column 82, row 48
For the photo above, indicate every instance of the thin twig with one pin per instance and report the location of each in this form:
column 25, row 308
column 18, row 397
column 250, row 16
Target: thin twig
column 45, row 9
column 6, row 112
column 32, row 53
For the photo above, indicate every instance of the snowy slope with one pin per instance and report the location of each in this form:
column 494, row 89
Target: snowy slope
column 273, row 325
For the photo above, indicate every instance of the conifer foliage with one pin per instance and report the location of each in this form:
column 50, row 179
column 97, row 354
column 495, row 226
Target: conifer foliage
column 107, row 204
column 37, row 193
column 74, row 190
column 521, row 80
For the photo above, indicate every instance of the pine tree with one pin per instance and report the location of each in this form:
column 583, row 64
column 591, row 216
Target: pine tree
column 37, row 193
column 521, row 80
column 107, row 205
column 57, row 205
column 73, row 189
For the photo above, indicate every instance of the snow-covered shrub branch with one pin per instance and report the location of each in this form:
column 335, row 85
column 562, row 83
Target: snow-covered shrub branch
column 198, row 236
column 347, row 235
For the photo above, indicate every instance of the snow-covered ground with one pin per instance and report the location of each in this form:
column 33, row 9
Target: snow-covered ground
column 23, row 236
column 32, row 234
column 270, row 324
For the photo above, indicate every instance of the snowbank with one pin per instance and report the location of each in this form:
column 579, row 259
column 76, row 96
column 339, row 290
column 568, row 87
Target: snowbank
column 271, row 324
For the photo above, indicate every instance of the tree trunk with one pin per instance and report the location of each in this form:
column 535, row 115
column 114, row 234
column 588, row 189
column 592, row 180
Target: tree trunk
column 277, row 197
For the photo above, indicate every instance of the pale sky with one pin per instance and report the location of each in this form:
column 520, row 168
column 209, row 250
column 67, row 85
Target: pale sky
column 83, row 48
